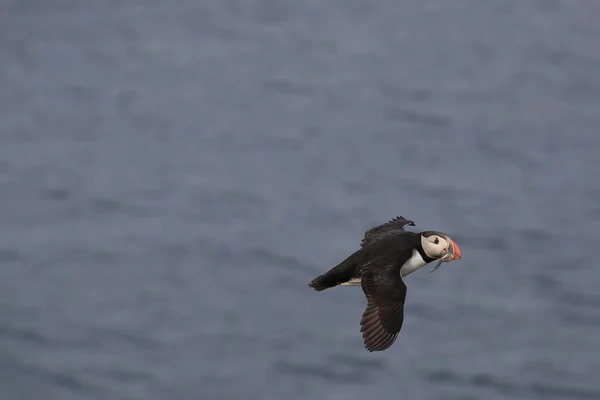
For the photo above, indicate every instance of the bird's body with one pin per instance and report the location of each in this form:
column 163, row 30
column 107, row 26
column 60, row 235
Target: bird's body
column 387, row 254
column 391, row 250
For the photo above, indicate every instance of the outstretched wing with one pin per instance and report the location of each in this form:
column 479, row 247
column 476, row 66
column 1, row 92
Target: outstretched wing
column 382, row 319
column 392, row 227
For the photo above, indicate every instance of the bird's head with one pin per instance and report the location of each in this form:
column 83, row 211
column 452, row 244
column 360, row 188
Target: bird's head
column 439, row 246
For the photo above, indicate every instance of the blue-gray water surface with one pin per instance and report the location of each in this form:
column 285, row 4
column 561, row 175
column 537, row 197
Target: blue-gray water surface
column 173, row 173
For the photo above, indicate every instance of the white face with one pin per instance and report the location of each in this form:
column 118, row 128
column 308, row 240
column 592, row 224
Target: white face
column 434, row 246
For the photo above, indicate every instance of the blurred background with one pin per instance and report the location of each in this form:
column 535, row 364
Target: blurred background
column 172, row 174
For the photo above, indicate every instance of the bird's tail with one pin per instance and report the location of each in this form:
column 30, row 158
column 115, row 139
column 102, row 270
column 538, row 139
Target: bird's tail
column 341, row 273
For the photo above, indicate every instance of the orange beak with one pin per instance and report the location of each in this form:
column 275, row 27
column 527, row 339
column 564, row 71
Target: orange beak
column 454, row 249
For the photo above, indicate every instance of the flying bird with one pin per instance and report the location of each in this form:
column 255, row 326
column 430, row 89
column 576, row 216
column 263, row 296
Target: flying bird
column 388, row 253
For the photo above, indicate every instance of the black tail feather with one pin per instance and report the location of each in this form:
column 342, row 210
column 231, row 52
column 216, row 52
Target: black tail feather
column 318, row 284
column 338, row 274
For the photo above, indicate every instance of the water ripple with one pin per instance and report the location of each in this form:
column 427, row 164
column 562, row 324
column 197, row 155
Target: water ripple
column 489, row 382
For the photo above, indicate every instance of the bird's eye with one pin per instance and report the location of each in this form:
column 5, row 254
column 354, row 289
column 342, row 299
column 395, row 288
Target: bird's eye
column 436, row 240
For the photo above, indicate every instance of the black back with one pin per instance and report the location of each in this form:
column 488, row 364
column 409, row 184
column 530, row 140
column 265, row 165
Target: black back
column 391, row 228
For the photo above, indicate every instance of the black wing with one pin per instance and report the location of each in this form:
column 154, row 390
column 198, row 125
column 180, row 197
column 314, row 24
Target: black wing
column 392, row 227
column 382, row 319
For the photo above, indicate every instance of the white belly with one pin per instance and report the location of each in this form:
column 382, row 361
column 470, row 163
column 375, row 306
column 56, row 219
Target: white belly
column 351, row 282
column 411, row 265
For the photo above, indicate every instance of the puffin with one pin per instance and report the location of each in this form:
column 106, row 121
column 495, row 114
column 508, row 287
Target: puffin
column 387, row 254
